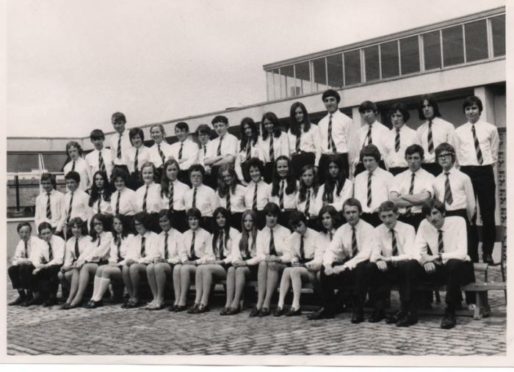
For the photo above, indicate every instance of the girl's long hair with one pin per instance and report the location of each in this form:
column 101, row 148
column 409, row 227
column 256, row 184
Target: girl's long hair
column 331, row 183
column 95, row 192
column 303, row 188
column 290, row 178
column 295, row 127
column 246, row 235
column 224, row 189
column 217, row 230
column 165, row 181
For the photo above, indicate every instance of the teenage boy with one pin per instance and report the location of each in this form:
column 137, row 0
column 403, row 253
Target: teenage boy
column 345, row 264
column 441, row 242
column 185, row 151
column 76, row 204
column 119, row 141
column 160, row 151
column 373, row 185
column 204, row 134
column 137, row 155
column 334, row 130
column 100, row 158
column 412, row 188
column 477, row 145
column 50, row 203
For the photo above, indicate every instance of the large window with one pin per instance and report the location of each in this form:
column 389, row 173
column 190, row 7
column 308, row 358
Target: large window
column 22, row 162
column 372, row 63
column 453, row 48
column 289, row 87
column 335, row 70
column 320, row 74
column 498, row 31
column 409, row 52
column 276, row 83
column 303, row 77
column 389, row 57
column 352, row 67
column 432, row 50
column 476, row 40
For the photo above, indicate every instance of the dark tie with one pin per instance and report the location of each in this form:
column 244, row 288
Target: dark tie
column 136, row 161
column 271, row 149
column 355, row 248
column 101, row 164
column 370, row 174
column 118, row 202
column 180, row 150
column 118, row 246
column 25, row 253
column 161, row 154
column 50, row 252
column 99, row 201
column 397, row 140
column 331, row 144
column 228, row 200
column 448, row 198
column 48, row 209
column 195, row 189
column 70, row 208
column 171, row 196
column 308, row 203
column 77, row 253
column 411, row 188
column 298, row 139
column 99, row 241
column 166, row 245
column 281, row 195
column 218, row 152
column 430, row 138
column 143, row 248
column 477, row 145
column 440, row 242
column 248, row 150
column 368, row 136
column 330, row 235
column 254, row 204
column 144, row 198
column 192, row 254
column 394, row 244
column 204, row 151
column 272, row 250
column 220, row 246
column 302, row 249
column 118, row 150
column 73, row 166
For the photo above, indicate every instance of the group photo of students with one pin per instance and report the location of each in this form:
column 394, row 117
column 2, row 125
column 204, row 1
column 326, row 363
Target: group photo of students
column 282, row 205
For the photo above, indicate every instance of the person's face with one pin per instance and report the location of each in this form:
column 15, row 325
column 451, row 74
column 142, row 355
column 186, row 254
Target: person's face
column 268, row 125
column 196, row 178
column 227, row 177
column 308, row 177
column 98, row 226
column 271, row 220
column 331, row 104
column 46, row 235
column 397, row 119
column 445, row 160
column 436, row 218
column 203, row 138
column 99, row 181
column 326, row 221
column 220, row 128
column 369, row 163
column 298, row 115
column 147, row 175
column 333, row 170
column 119, row 126
column 76, row 230
column 71, row 185
column 389, row 218
column 24, row 233
column 194, row 222
column 472, row 113
column 352, row 214
column 247, row 129
column 414, row 161
column 369, row 116
column 172, row 172
column 73, row 152
column 255, row 174
column 47, row 185
column 156, row 134
column 119, row 183
column 282, row 168
column 427, row 109
column 137, row 141
column 221, row 221
column 164, row 223
column 301, row 228
column 248, row 222
column 98, row 143
column 181, row 134
column 140, row 229
column 117, row 226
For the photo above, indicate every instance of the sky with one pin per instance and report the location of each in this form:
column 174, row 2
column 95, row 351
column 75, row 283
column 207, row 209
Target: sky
column 71, row 63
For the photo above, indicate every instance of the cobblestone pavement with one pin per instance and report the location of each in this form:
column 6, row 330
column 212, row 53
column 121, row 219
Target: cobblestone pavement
column 110, row 330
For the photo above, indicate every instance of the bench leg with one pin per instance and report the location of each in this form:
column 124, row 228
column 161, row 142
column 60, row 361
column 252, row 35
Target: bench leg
column 486, row 309
column 478, row 306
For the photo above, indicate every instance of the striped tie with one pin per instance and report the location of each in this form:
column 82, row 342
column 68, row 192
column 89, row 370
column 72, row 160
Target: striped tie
column 254, row 204
column 98, row 210
column 221, row 256
column 477, row 145
column 166, row 246
column 429, row 138
column 170, row 207
column 302, row 249
column 180, row 150
column 397, row 140
column 368, row 136
column 228, row 201
column 161, row 154
column 355, row 248
column 218, row 152
column 248, row 150
column 369, row 189
column 272, row 250
column 144, row 198
column 48, row 209
column 448, row 198
column 118, row 203
column 118, row 150
column 411, row 190
column 194, row 197
column 25, row 253
column 331, row 144
column 308, row 203
column 50, row 252
column 73, row 166
column 440, row 242
column 118, row 246
column 271, row 149
column 192, row 254
column 143, row 248
column 281, row 195
column 394, row 244
column 101, row 164
column 298, row 138
column 70, row 209
column 77, row 252
column 136, row 161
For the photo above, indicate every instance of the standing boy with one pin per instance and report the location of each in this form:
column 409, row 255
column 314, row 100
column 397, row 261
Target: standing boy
column 49, row 204
column 119, row 141
column 185, row 151
column 100, row 158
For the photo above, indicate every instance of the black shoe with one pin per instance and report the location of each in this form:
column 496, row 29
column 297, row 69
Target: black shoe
column 172, row 308
column 294, row 312
column 279, row 311
column 488, row 259
column 393, row 318
column 94, row 304
column 357, row 317
column 377, row 316
column 264, row 312
column 50, row 302
column 233, row 310
column 20, row 300
column 448, row 320
column 254, row 312
column 225, row 311
column 321, row 314
column 202, row 309
column 193, row 309
column 407, row 320
column 34, row 301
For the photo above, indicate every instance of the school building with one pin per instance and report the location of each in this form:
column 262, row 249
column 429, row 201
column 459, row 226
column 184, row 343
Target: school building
column 450, row 59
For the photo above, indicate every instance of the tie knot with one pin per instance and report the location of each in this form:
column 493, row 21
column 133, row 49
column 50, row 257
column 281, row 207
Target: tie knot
column 391, row 230
column 446, row 174
column 330, row 116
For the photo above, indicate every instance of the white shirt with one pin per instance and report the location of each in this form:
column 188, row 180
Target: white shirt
column 309, row 142
column 122, row 251
column 153, row 198
column 135, row 251
column 82, row 168
column 405, row 235
column 340, row 248
column 442, row 131
column 338, row 200
column 79, row 207
column 241, row 157
column 289, row 199
column 314, row 204
column 143, row 156
column 189, row 153
column 125, row 145
column 455, row 240
column 202, row 153
column 280, row 239
column 381, row 182
column 488, row 139
column 237, row 199
column 56, row 208
column 228, row 146
column 341, row 125
column 202, row 247
column 280, row 147
column 101, row 247
column 423, row 181
column 105, row 206
column 175, row 241
column 393, row 158
column 93, row 161
column 84, row 246
column 42, row 255
column 155, row 156
column 263, row 194
column 179, row 190
column 229, row 245
column 462, row 191
column 206, row 200
column 32, row 250
column 127, row 203
column 312, row 249
column 379, row 136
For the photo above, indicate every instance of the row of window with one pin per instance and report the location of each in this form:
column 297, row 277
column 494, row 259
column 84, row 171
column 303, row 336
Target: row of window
column 464, row 43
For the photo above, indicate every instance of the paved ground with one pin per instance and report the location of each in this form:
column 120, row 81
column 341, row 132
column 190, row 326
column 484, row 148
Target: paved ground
column 114, row 331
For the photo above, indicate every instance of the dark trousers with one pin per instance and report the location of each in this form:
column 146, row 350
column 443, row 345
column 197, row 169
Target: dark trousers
column 413, row 219
column 403, row 274
column 348, row 281
column 342, row 160
column 371, row 218
column 397, row 170
column 472, row 233
column 482, row 178
column 432, row 168
column 298, row 161
column 21, row 276
column 453, row 274
column 360, row 167
column 46, row 281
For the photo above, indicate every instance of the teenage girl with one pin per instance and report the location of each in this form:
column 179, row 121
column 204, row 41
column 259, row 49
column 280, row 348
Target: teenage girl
column 307, row 201
column 148, row 197
column 100, row 199
column 273, row 143
column 337, row 188
column 172, row 194
column 123, row 200
column 258, row 192
column 283, row 189
column 231, row 194
column 248, row 148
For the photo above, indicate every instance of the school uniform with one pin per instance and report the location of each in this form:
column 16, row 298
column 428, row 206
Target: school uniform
column 202, row 153
column 77, row 248
column 159, row 153
column 135, row 158
column 124, row 203
column 272, row 242
column 376, row 134
column 205, row 199
column 119, row 249
column 148, row 199
column 306, row 251
column 305, row 148
column 372, row 190
column 186, row 154
column 75, row 204
column 49, row 208
column 251, row 150
column 100, row 160
column 477, row 152
column 223, row 246
column 100, row 248
column 119, row 144
column 337, row 200
column 409, row 183
column 168, row 247
column 196, row 246
column 334, row 131
column 249, row 256
column 234, row 202
column 21, row 273
column 177, row 207
column 310, row 206
column 271, row 148
column 82, row 168
column 285, row 201
column 102, row 206
column 226, row 146
column 395, row 145
column 51, row 253
column 257, row 195
column 140, row 250
column 430, row 135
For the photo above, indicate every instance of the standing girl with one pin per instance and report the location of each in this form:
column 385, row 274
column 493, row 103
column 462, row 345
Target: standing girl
column 337, row 188
column 283, row 189
column 273, row 143
column 248, row 148
column 148, row 197
column 307, row 195
column 137, row 155
column 100, row 199
column 172, row 194
column 231, row 194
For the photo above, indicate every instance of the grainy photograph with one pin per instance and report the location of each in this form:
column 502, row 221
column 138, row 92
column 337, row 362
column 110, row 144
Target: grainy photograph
column 256, row 178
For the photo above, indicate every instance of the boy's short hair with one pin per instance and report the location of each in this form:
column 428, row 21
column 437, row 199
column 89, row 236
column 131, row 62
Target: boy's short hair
column 431, row 204
column 445, row 147
column 295, row 218
column 72, row 175
column 97, row 134
column 133, row 132
column 197, row 168
column 220, row 119
column 370, row 150
column 367, row 105
column 22, row 225
column 271, row 209
column 473, row 100
column 194, row 212
column 388, row 206
column 415, row 149
column 203, row 129
column 403, row 110
column 43, row 226
column 331, row 93
column 49, row 177
column 118, row 116
column 432, row 102
column 352, row 202
column 161, row 128
column 182, row 126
